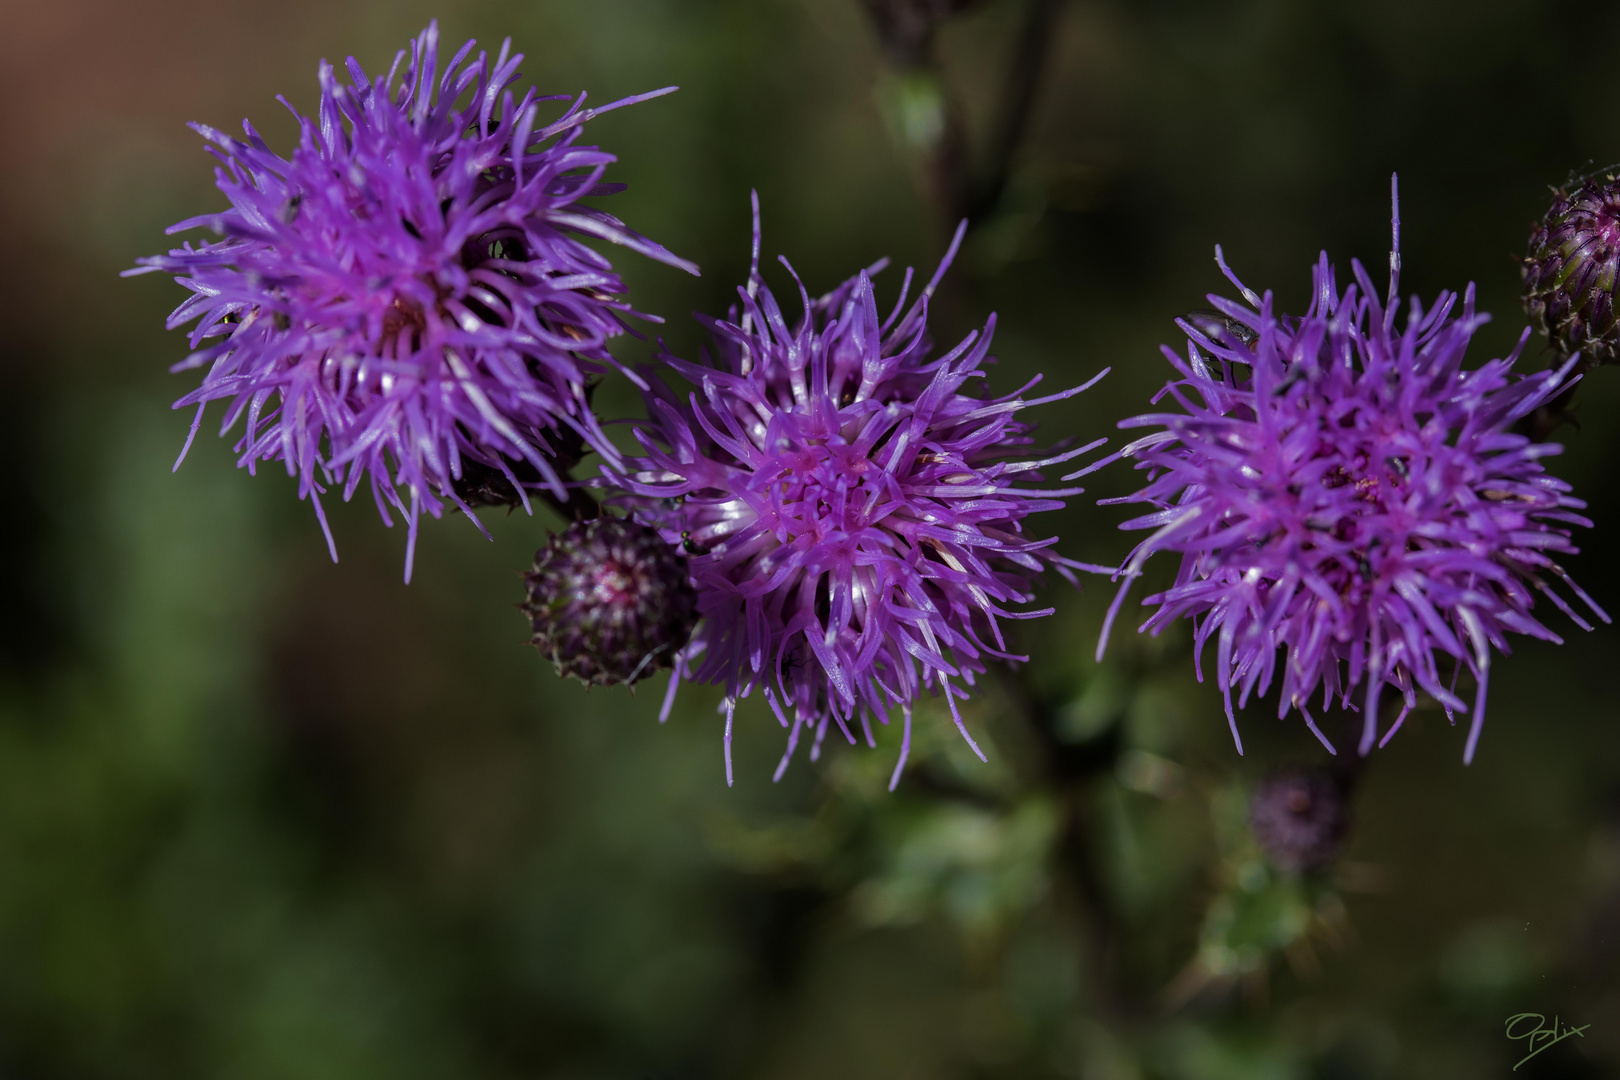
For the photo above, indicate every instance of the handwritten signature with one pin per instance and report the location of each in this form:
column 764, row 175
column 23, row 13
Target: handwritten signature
column 1531, row 1027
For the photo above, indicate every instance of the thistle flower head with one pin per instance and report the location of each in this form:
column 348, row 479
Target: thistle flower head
column 1570, row 271
column 1299, row 818
column 410, row 294
column 609, row 601
column 853, row 504
column 1350, row 504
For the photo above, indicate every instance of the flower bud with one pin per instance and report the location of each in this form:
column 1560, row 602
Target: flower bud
column 610, row 601
column 1569, row 273
column 1299, row 819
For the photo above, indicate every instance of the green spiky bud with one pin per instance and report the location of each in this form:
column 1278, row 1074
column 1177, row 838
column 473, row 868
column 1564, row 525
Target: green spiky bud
column 1570, row 271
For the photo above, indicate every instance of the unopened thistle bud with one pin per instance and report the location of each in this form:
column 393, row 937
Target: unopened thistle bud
column 1299, row 818
column 1569, row 272
column 610, row 601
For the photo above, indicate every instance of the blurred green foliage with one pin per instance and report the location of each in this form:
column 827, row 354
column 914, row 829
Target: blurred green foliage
column 263, row 816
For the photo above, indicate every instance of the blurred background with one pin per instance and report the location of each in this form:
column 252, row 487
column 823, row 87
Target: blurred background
column 263, row 816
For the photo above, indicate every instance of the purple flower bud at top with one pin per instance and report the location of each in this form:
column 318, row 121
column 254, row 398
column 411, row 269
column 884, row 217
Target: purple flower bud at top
column 1570, row 270
column 609, row 601
column 1299, row 819
column 854, row 505
column 1351, row 505
column 409, row 296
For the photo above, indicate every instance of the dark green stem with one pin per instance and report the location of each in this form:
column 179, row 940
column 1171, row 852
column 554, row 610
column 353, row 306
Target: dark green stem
column 1068, row 771
column 579, row 506
column 1547, row 419
column 907, row 30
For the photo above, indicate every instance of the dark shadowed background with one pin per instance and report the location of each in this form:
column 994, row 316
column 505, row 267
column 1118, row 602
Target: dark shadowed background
column 263, row 816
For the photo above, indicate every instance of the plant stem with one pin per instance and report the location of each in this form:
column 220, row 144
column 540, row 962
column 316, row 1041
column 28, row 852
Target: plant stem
column 1541, row 423
column 1067, row 770
column 579, row 506
column 907, row 29
column 1021, row 83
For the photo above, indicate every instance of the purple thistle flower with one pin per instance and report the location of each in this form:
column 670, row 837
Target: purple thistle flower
column 850, row 507
column 409, row 296
column 1344, row 491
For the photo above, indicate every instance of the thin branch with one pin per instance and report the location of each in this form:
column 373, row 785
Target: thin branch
column 1020, row 87
column 907, row 30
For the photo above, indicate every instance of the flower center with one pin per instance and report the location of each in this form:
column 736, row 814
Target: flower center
column 614, row 584
column 823, row 487
column 1370, row 487
column 403, row 325
column 1360, row 494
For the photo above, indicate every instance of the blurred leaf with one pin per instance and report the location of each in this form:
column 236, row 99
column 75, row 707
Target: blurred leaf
column 983, row 869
